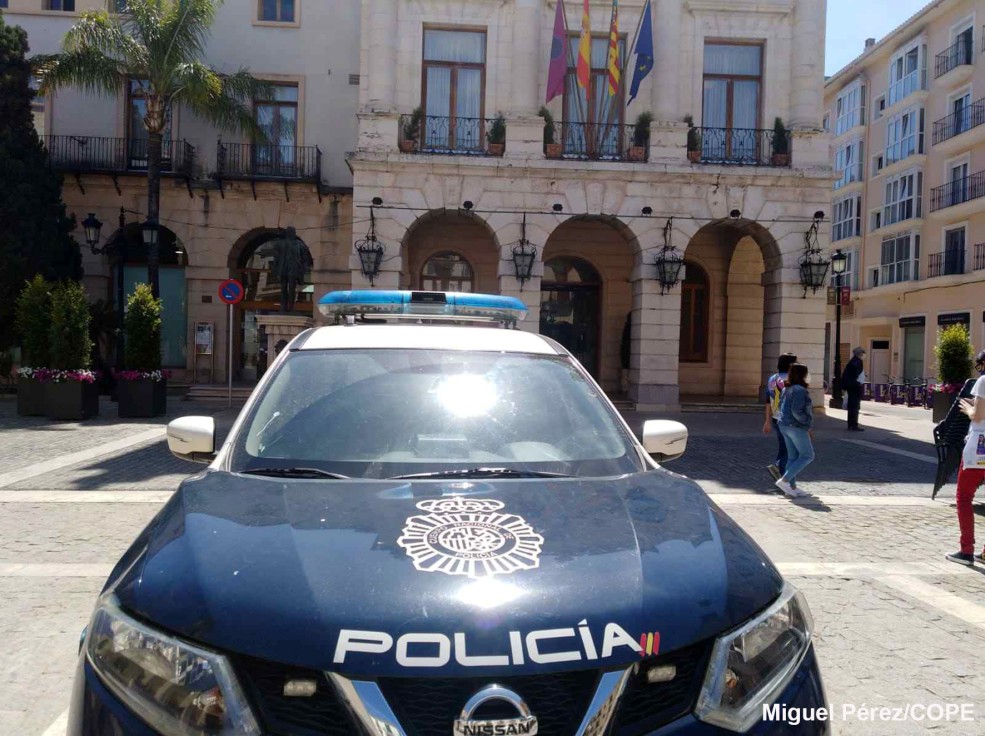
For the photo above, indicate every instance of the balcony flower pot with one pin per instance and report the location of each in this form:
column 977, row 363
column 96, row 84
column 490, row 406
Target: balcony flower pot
column 72, row 395
column 637, row 153
column 497, row 149
column 142, row 393
column 407, row 146
column 694, row 156
column 30, row 392
column 780, row 159
column 553, row 150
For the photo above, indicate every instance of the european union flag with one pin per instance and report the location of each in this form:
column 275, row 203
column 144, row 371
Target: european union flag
column 644, row 52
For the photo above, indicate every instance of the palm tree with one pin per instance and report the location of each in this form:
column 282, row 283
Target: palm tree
column 157, row 45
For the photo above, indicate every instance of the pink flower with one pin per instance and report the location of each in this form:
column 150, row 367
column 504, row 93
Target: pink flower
column 132, row 375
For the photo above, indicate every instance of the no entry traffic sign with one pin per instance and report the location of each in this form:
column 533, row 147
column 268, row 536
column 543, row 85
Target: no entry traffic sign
column 231, row 291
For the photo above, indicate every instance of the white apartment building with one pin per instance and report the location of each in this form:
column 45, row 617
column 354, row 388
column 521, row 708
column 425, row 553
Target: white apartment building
column 907, row 120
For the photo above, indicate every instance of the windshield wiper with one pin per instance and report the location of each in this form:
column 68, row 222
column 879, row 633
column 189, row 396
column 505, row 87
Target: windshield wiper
column 294, row 473
column 482, row 473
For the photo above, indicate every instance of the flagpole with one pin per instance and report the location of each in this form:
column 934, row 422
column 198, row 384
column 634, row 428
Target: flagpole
column 636, row 37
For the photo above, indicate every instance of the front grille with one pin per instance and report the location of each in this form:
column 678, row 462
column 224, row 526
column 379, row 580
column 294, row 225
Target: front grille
column 645, row 707
column 323, row 714
column 429, row 706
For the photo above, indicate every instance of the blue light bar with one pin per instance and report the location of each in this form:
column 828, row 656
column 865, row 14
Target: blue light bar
column 423, row 305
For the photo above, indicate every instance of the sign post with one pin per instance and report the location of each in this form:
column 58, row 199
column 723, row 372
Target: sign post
column 231, row 293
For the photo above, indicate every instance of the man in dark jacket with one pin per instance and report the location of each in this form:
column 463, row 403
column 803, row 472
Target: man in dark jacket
column 851, row 384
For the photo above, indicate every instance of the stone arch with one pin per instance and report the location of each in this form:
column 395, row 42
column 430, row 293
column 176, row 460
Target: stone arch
column 466, row 235
column 612, row 249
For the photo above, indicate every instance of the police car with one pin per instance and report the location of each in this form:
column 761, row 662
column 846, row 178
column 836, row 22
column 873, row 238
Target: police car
column 425, row 524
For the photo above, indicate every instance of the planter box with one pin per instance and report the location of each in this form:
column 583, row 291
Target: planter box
column 72, row 400
column 694, row 156
column 637, row 153
column 143, row 398
column 780, row 159
column 407, row 146
column 942, row 405
column 497, row 149
column 30, row 397
column 553, row 150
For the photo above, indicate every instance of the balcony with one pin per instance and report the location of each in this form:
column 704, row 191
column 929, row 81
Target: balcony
column 962, row 129
column 92, row 155
column 596, row 142
column 735, row 147
column 979, row 263
column 946, row 263
column 255, row 162
column 956, row 56
column 449, row 136
column 958, row 197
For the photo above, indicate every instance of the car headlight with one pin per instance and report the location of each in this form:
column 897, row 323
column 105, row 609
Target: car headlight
column 752, row 665
column 177, row 688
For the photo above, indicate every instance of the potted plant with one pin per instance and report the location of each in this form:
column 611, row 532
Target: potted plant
column 954, row 365
column 781, row 144
column 72, row 392
column 411, row 131
column 693, row 141
column 551, row 149
column 142, row 385
column 33, row 318
column 641, row 137
column 496, row 137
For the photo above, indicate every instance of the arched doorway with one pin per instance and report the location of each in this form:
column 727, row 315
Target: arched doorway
column 570, row 307
column 174, row 293
column 251, row 263
column 447, row 271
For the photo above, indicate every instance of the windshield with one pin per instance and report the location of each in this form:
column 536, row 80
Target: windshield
column 378, row 413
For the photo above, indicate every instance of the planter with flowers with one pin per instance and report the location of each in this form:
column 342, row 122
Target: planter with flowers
column 954, row 365
column 33, row 318
column 71, row 391
column 142, row 387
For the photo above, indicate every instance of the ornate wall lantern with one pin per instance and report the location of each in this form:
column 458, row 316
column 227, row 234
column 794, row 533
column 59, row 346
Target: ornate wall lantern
column 669, row 261
column 813, row 265
column 370, row 250
column 524, row 255
column 92, row 227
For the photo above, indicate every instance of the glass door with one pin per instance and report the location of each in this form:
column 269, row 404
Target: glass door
column 570, row 308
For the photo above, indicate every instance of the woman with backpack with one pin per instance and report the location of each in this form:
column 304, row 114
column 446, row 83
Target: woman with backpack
column 796, row 423
column 972, row 472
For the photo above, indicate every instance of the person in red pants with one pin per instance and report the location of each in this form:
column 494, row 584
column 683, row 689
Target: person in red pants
column 972, row 473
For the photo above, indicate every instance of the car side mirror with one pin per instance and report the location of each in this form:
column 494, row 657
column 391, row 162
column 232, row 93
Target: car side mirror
column 192, row 439
column 664, row 440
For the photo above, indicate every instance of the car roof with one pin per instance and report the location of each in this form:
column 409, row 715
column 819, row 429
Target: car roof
column 428, row 337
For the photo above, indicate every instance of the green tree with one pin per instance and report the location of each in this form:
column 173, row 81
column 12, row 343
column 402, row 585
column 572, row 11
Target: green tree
column 955, row 355
column 158, row 45
column 35, row 232
column 34, row 322
column 71, row 347
column 142, row 326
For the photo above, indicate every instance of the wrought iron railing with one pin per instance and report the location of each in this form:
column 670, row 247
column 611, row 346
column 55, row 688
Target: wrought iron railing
column 946, row 263
column 958, row 122
column 738, row 146
column 979, row 262
column 268, row 161
column 958, row 191
column 90, row 154
column 597, row 142
column 955, row 55
column 436, row 134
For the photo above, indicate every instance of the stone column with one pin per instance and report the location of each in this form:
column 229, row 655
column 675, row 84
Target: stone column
column 807, row 61
column 527, row 52
column 655, row 346
column 795, row 324
column 665, row 79
column 383, row 55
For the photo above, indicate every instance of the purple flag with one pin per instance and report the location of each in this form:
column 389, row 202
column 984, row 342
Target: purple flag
column 559, row 65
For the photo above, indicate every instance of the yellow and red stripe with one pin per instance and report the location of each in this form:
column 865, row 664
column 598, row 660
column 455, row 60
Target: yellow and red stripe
column 584, row 69
column 613, row 64
column 650, row 644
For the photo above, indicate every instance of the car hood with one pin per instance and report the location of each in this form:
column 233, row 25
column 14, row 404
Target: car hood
column 397, row 578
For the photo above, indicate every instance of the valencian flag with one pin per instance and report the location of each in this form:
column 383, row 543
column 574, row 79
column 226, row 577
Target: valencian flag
column 644, row 52
column 613, row 65
column 559, row 63
column 584, row 69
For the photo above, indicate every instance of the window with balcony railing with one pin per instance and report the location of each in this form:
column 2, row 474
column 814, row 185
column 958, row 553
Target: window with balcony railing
column 847, row 220
column 904, row 136
column 907, row 73
column 454, row 67
column 960, row 189
column 957, row 54
column 979, row 262
column 964, row 116
column 903, row 198
column 950, row 261
column 848, row 164
column 900, row 259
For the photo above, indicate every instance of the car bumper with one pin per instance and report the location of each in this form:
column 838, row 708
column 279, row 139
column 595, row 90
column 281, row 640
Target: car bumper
column 97, row 712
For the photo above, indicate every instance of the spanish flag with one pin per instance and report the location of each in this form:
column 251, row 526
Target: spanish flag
column 584, row 68
column 613, row 63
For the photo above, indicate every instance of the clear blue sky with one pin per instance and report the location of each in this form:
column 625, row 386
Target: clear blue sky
column 850, row 22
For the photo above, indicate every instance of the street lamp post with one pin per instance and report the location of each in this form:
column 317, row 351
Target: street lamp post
column 839, row 261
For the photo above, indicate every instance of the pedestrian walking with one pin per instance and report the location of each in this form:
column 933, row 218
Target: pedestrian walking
column 796, row 423
column 852, row 379
column 774, row 389
column 972, row 473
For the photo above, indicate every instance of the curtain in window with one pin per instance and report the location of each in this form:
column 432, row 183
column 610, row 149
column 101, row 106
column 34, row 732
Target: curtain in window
column 464, row 47
column 468, row 126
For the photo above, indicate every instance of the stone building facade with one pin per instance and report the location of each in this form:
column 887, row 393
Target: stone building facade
column 907, row 120
column 451, row 210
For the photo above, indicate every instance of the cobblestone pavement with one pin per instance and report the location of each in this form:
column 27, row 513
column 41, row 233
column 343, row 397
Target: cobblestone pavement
column 895, row 623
